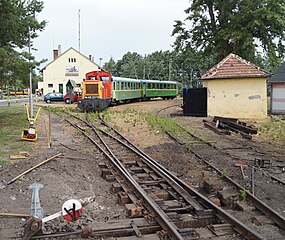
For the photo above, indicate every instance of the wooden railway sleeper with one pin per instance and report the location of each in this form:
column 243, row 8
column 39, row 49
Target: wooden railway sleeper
column 151, row 204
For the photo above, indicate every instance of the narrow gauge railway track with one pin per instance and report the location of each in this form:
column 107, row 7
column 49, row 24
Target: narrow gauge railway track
column 248, row 154
column 237, row 150
column 219, row 160
column 157, row 194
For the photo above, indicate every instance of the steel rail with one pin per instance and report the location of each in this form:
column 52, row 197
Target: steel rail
column 240, row 227
column 218, row 148
column 277, row 218
column 150, row 204
column 187, row 197
column 243, row 229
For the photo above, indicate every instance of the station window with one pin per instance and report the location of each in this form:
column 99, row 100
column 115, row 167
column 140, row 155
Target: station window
column 71, row 59
column 50, row 85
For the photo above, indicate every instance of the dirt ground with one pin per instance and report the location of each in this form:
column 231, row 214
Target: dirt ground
column 76, row 174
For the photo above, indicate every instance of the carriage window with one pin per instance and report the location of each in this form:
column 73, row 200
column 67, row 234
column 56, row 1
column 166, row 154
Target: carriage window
column 104, row 79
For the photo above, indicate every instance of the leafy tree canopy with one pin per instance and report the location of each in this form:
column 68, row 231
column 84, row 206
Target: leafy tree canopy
column 19, row 27
column 248, row 28
column 160, row 65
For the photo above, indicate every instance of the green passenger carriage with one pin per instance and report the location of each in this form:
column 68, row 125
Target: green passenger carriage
column 126, row 89
column 163, row 89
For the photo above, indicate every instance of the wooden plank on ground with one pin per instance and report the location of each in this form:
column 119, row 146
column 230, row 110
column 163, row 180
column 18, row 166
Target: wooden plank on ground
column 242, row 128
column 16, row 157
column 213, row 127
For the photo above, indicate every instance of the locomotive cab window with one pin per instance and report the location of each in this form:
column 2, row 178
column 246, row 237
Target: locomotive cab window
column 104, row 79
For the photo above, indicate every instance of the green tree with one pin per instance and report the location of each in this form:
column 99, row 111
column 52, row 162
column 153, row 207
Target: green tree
column 182, row 65
column 19, row 27
column 130, row 66
column 247, row 28
column 110, row 66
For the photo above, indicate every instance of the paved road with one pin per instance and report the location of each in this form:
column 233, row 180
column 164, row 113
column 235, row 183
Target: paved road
column 18, row 100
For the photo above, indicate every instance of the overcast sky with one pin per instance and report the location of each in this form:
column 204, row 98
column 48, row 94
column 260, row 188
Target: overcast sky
column 109, row 28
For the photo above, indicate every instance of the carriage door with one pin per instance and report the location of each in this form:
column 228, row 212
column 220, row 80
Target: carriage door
column 144, row 89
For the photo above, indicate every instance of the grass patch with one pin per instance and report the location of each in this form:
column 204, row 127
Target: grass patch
column 273, row 129
column 164, row 124
column 12, row 120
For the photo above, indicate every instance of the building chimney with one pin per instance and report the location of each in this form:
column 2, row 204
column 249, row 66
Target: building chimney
column 90, row 57
column 55, row 54
column 59, row 50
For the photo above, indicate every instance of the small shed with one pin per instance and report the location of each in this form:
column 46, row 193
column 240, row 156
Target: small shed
column 236, row 88
column 277, row 99
column 70, row 85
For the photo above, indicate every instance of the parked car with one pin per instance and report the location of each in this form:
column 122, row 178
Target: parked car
column 71, row 99
column 53, row 97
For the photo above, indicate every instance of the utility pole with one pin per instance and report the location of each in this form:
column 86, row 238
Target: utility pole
column 79, row 30
column 169, row 70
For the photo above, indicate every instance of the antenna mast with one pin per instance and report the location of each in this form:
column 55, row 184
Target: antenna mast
column 79, row 30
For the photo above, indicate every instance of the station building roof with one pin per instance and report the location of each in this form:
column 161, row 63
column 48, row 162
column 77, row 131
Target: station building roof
column 234, row 66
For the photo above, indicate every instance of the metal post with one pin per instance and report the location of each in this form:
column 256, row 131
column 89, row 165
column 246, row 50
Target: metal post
column 49, row 128
column 31, row 88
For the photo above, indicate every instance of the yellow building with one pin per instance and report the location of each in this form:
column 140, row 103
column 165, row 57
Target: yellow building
column 68, row 66
column 236, row 88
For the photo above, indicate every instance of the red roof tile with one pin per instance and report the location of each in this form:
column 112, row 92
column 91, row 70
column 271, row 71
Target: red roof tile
column 234, row 66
